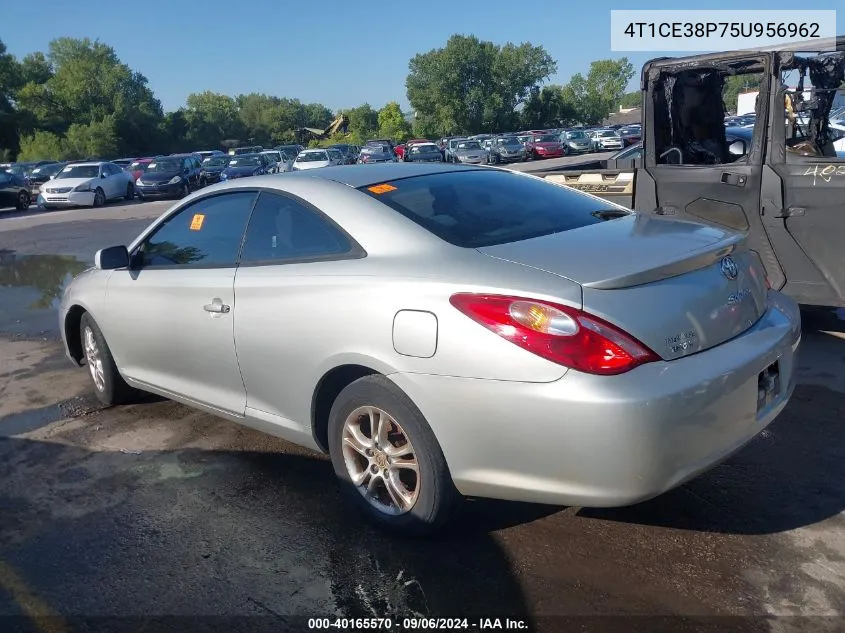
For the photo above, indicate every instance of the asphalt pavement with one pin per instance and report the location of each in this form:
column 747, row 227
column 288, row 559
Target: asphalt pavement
column 154, row 509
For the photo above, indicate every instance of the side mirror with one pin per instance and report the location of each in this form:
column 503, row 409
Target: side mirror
column 112, row 258
column 104, row 175
column 738, row 148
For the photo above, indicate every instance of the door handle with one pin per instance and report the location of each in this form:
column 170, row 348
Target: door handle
column 216, row 306
column 737, row 180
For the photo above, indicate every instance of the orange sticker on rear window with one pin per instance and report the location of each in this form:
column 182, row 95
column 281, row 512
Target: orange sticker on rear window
column 381, row 188
column 196, row 221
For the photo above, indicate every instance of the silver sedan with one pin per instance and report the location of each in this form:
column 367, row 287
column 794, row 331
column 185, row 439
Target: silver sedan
column 446, row 331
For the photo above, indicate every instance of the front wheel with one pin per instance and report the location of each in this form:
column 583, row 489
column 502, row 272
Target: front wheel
column 23, row 201
column 184, row 190
column 109, row 386
column 99, row 198
column 389, row 463
column 130, row 191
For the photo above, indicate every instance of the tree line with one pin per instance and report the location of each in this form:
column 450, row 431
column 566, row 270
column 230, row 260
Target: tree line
column 78, row 99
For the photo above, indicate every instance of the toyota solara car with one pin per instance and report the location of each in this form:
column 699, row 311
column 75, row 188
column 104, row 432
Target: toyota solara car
column 446, row 331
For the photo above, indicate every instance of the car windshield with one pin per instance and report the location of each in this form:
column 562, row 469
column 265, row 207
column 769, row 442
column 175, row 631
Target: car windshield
column 607, row 134
column 425, row 148
column 522, row 139
column 635, row 151
column 469, row 145
column 508, row 140
column 576, row 135
column 479, row 208
column 139, row 166
column 312, row 157
column 245, row 160
column 50, row 170
column 375, row 149
column 274, row 156
column 215, row 161
column 546, row 138
column 164, row 166
column 80, row 171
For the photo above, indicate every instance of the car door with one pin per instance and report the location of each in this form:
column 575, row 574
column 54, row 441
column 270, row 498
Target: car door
column 8, row 190
column 804, row 188
column 170, row 316
column 290, row 251
column 116, row 181
column 689, row 172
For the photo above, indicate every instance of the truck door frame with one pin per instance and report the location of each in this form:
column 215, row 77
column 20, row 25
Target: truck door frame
column 720, row 188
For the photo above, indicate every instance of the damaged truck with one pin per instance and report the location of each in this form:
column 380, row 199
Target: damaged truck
column 784, row 185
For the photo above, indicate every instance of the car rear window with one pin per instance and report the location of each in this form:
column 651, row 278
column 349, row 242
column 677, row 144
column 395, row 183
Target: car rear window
column 475, row 208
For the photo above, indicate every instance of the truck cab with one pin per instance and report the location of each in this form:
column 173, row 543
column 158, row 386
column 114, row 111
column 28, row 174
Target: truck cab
column 783, row 185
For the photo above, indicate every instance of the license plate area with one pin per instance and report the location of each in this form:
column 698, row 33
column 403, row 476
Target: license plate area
column 768, row 386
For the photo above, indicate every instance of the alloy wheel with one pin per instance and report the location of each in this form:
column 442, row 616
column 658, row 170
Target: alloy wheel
column 94, row 359
column 380, row 460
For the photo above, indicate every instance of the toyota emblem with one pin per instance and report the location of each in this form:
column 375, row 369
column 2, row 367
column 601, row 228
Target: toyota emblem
column 729, row 268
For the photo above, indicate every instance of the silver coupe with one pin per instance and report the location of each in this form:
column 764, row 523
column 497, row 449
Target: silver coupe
column 446, row 331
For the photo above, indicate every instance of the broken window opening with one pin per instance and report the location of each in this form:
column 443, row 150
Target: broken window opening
column 690, row 108
column 814, row 103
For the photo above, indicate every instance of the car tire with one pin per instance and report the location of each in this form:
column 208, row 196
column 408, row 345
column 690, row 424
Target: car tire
column 23, row 201
column 130, row 191
column 203, row 183
column 109, row 386
column 184, row 191
column 434, row 496
column 99, row 197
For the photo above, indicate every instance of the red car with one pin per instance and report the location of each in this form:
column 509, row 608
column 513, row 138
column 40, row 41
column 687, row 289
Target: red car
column 138, row 167
column 547, row 146
column 630, row 135
column 399, row 150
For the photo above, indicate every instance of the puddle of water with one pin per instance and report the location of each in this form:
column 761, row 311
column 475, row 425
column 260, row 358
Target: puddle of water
column 31, row 287
column 32, row 419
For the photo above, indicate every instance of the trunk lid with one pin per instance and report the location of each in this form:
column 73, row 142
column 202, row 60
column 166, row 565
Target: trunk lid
column 677, row 286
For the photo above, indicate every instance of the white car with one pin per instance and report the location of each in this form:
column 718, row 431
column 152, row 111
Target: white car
column 312, row 159
column 87, row 185
column 607, row 140
column 279, row 164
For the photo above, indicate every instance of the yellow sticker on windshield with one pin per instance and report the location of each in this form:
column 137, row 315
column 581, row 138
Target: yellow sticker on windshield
column 196, row 221
column 384, row 188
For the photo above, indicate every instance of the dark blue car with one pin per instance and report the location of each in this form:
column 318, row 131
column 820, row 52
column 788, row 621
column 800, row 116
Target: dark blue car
column 244, row 165
column 212, row 167
column 169, row 177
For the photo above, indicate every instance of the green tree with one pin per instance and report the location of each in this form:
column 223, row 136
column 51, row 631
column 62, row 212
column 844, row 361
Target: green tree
column 633, row 99
column 82, row 82
column 211, row 118
column 392, row 124
column 736, row 85
column 258, row 114
column 41, row 145
column 95, row 140
column 548, row 108
column 363, row 120
column 10, row 80
column 598, row 94
column 316, row 115
column 471, row 85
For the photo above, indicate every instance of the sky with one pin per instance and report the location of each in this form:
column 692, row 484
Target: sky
column 340, row 54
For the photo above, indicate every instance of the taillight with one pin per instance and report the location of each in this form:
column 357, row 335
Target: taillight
column 558, row 333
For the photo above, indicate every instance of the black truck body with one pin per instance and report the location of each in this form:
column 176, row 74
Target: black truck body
column 786, row 190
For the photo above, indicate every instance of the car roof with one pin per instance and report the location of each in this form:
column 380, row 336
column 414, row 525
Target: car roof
column 363, row 175
column 88, row 163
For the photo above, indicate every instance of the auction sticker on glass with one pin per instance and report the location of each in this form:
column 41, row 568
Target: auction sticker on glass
column 196, row 221
column 701, row 31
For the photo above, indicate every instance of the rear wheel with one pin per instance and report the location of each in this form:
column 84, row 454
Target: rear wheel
column 109, row 386
column 387, row 459
column 130, row 191
column 23, row 201
column 184, row 190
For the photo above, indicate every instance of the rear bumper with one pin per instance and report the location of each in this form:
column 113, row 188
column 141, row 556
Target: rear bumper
column 606, row 441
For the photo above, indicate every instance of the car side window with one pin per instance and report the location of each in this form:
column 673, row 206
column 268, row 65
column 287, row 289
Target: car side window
column 206, row 233
column 282, row 228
